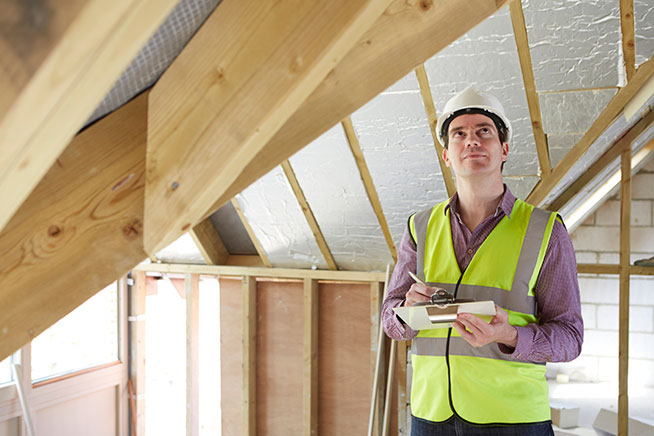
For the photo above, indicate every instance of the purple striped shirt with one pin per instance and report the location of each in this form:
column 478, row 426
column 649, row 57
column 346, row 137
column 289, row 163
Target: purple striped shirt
column 558, row 335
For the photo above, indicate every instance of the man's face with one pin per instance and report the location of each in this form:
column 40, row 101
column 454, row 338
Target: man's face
column 474, row 146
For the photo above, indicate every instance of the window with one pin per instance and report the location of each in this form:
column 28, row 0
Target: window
column 86, row 337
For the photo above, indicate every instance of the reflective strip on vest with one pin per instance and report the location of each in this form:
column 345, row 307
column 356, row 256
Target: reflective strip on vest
column 511, row 262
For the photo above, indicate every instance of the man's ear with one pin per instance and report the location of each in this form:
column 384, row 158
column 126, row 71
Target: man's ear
column 445, row 158
column 505, row 151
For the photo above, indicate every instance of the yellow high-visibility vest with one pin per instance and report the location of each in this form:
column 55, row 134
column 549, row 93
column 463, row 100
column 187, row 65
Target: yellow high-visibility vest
column 481, row 385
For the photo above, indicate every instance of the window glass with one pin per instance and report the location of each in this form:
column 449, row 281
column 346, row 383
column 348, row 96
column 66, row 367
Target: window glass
column 5, row 371
column 86, row 337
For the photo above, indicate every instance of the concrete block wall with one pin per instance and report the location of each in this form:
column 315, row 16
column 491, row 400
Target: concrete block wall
column 598, row 241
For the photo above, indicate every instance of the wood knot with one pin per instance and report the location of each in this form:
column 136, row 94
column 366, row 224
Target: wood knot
column 426, row 5
column 54, row 231
column 185, row 227
column 220, row 74
column 133, row 229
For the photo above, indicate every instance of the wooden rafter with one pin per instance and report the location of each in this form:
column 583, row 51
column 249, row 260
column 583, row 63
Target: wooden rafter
column 430, row 109
column 628, row 37
column 55, row 73
column 247, row 70
column 368, row 184
column 612, row 110
column 522, row 43
column 308, row 214
column 381, row 58
column 208, row 241
column 79, row 230
column 609, row 156
column 250, row 231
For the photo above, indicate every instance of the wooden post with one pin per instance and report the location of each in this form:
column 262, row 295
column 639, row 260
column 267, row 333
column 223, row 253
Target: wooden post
column 310, row 385
column 137, row 349
column 249, row 355
column 401, row 387
column 122, row 391
column 192, row 287
column 625, row 249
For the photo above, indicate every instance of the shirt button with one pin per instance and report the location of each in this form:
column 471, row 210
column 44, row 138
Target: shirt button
column 469, row 250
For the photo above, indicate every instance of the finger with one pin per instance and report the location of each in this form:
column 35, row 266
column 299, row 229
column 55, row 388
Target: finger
column 466, row 335
column 475, row 322
column 472, row 328
column 421, row 289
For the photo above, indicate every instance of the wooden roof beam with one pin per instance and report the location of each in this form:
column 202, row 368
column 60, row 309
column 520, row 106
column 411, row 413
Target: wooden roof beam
column 382, row 58
column 628, row 37
column 612, row 110
column 308, row 214
column 53, row 75
column 368, row 184
column 79, row 230
column 208, row 241
column 430, row 109
column 522, row 43
column 247, row 70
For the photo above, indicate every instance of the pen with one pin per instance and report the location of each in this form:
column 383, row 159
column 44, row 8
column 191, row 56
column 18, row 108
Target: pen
column 416, row 278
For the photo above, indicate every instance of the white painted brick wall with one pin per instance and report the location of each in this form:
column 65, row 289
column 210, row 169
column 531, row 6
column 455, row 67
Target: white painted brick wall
column 598, row 241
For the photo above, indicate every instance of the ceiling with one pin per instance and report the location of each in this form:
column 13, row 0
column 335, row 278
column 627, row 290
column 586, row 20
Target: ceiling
column 576, row 55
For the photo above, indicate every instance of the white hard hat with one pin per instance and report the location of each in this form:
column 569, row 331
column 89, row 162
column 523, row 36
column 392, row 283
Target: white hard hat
column 471, row 100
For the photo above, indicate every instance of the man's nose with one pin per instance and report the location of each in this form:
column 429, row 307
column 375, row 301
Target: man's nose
column 472, row 140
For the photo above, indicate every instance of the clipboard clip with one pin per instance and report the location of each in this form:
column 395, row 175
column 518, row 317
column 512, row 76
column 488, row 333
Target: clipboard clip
column 441, row 298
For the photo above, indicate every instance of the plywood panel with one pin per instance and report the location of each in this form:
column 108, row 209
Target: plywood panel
column 64, row 419
column 345, row 378
column 231, row 372
column 280, row 359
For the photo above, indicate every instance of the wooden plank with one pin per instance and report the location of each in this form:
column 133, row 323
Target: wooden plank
column 382, row 58
column 430, row 109
column 353, row 276
column 79, row 230
column 244, row 260
column 249, row 310
column 628, row 37
column 625, row 251
column 137, row 350
column 192, row 288
column 369, row 185
column 522, row 43
column 597, row 268
column 612, row 110
column 310, row 385
column 308, row 214
column 641, row 270
column 249, row 67
column 609, row 156
column 402, row 400
column 209, row 243
column 250, row 231
column 91, row 44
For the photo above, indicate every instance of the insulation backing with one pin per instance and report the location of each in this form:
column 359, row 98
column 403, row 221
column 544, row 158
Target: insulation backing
column 231, row 231
column 644, row 29
column 183, row 250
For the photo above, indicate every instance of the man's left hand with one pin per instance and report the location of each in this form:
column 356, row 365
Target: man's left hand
column 478, row 332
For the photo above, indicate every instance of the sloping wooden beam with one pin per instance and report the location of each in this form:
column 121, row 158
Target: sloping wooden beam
column 308, row 214
column 79, row 230
column 522, row 43
column 609, row 156
column 250, row 232
column 612, row 110
column 430, row 109
column 209, row 243
column 57, row 62
column 249, row 67
column 360, row 160
column 628, row 37
column 405, row 36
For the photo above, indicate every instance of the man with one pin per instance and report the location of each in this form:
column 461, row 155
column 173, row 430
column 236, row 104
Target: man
column 483, row 243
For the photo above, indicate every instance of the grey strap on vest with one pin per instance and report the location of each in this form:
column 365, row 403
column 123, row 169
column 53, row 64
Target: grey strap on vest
column 459, row 347
column 420, row 222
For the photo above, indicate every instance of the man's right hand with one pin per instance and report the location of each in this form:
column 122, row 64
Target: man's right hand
column 419, row 293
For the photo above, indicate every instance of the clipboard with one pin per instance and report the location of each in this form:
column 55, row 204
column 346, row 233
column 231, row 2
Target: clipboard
column 436, row 316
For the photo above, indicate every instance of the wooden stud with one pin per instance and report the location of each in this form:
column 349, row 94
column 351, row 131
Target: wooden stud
column 247, row 70
column 628, row 37
column 522, row 43
column 382, row 59
column 310, row 385
column 79, row 230
column 250, row 231
column 209, row 243
column 192, row 288
column 288, row 273
column 249, row 285
column 308, row 214
column 612, row 110
column 430, row 109
column 60, row 69
column 625, row 251
column 609, row 156
column 401, row 386
column 137, row 350
column 598, row 268
column 369, row 185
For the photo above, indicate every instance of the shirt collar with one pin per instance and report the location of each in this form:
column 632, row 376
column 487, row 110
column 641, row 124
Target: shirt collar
column 505, row 206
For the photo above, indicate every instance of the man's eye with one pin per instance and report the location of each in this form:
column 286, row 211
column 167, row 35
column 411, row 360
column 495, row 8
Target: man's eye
column 485, row 130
